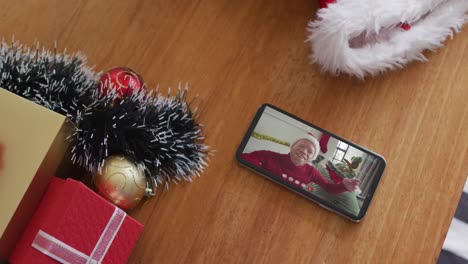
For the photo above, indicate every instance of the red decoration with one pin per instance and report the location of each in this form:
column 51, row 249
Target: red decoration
column 405, row 26
column 324, row 3
column 324, row 142
column 335, row 177
column 124, row 80
column 73, row 215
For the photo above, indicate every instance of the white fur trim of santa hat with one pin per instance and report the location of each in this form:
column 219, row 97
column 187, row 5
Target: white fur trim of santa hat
column 313, row 140
column 386, row 45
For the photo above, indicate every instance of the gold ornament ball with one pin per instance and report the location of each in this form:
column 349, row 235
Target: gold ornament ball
column 121, row 182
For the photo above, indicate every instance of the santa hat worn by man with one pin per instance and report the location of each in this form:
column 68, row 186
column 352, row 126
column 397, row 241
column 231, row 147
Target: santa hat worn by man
column 317, row 146
column 367, row 37
column 314, row 142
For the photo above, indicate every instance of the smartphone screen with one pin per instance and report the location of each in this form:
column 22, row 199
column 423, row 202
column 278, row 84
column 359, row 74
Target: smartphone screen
column 336, row 173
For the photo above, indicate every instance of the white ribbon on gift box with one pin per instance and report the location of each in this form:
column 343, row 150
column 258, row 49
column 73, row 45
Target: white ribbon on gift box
column 63, row 253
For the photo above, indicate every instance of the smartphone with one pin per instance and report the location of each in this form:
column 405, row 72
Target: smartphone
column 337, row 174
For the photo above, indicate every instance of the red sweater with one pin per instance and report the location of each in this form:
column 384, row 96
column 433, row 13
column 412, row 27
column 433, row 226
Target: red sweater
column 281, row 165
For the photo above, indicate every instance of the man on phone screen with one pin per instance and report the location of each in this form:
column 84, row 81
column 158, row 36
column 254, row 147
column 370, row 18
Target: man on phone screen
column 294, row 166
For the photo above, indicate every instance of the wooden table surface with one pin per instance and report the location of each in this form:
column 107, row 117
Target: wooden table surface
column 237, row 55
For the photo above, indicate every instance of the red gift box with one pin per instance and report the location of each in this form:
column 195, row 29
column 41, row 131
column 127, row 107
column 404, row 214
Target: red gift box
column 73, row 224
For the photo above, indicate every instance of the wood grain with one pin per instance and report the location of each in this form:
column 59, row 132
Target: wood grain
column 237, row 55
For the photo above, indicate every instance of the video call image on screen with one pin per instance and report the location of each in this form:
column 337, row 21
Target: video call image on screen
column 311, row 160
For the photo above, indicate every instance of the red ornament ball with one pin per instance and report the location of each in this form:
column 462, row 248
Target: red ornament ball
column 124, row 80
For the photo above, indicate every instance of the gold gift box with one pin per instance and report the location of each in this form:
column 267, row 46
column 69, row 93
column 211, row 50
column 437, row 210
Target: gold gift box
column 32, row 146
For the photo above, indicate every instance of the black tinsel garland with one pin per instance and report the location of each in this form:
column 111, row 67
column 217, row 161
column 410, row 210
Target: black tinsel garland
column 159, row 133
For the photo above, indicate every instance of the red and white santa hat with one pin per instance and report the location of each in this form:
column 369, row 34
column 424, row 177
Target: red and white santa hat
column 313, row 140
column 367, row 37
